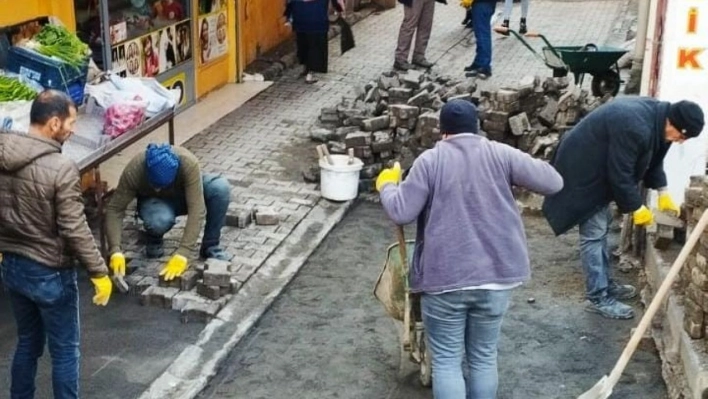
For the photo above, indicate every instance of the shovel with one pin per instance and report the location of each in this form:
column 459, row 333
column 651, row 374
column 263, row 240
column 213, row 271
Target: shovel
column 603, row 388
column 407, row 307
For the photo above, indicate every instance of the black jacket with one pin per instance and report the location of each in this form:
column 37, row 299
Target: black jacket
column 604, row 158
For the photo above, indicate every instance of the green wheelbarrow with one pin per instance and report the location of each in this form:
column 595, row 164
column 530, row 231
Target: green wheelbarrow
column 600, row 62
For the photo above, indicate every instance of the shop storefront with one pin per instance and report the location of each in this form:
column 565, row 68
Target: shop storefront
column 675, row 70
column 189, row 45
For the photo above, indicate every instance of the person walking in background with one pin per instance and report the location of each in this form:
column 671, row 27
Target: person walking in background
column 482, row 13
column 417, row 21
column 43, row 229
column 508, row 4
column 310, row 21
column 470, row 250
column 467, row 5
column 603, row 159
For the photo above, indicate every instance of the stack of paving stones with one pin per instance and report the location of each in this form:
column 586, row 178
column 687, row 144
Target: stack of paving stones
column 694, row 274
column 206, row 286
column 397, row 117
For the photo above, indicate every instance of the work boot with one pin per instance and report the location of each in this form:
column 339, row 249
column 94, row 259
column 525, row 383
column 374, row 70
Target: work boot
column 505, row 24
column 402, row 65
column 609, row 307
column 522, row 27
column 423, row 63
column 621, row 291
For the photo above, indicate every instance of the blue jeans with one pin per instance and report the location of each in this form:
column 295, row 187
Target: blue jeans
column 594, row 254
column 482, row 13
column 464, row 323
column 45, row 303
column 159, row 215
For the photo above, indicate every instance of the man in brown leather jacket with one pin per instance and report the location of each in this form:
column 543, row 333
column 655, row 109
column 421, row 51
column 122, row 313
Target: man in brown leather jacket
column 42, row 227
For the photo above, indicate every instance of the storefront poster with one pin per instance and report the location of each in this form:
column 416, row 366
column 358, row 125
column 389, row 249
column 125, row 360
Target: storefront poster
column 133, row 58
column 150, row 54
column 119, row 60
column 183, row 40
column 167, row 53
column 119, row 32
column 213, row 43
column 178, row 82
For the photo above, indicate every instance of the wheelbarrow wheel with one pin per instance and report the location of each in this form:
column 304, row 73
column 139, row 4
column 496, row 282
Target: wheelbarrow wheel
column 607, row 82
column 426, row 362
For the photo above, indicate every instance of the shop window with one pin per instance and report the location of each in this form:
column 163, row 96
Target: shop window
column 149, row 37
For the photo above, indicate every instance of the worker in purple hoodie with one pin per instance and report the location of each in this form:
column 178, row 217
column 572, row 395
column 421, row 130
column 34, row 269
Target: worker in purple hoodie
column 470, row 247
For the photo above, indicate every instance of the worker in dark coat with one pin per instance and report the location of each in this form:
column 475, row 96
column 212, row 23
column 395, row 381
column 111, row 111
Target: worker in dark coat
column 603, row 159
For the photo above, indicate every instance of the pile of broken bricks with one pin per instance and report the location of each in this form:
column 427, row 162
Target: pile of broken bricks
column 206, row 286
column 397, row 117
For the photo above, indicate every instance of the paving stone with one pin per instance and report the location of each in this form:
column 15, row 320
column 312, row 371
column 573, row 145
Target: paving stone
column 378, row 123
column 519, row 124
column 189, row 280
column 266, row 217
column 158, row 297
column 120, row 284
column 358, row 139
column 209, row 291
column 183, row 298
column 217, row 273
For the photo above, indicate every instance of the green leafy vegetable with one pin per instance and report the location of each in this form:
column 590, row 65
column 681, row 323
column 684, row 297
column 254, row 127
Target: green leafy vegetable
column 57, row 41
column 13, row 90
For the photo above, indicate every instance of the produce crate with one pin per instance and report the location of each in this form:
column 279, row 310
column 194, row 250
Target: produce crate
column 49, row 72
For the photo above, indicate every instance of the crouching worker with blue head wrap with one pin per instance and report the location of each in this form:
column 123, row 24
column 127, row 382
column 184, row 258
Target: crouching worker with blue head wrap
column 167, row 182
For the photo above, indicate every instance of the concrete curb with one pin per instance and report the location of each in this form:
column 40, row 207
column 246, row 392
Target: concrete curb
column 191, row 371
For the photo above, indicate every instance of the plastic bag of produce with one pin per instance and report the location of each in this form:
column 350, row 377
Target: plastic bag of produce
column 15, row 116
column 124, row 116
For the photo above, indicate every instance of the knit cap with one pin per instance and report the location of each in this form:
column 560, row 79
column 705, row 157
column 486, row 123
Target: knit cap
column 687, row 117
column 162, row 165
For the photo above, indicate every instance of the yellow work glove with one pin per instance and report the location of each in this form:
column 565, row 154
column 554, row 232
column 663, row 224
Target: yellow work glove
column 389, row 175
column 667, row 204
column 466, row 3
column 643, row 216
column 175, row 267
column 117, row 264
column 104, row 287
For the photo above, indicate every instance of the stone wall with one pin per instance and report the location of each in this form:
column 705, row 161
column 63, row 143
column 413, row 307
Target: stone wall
column 694, row 275
column 396, row 117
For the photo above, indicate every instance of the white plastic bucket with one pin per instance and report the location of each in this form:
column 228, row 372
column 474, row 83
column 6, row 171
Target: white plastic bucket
column 340, row 181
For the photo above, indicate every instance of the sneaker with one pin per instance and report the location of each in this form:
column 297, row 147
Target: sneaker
column 610, row 308
column 482, row 74
column 505, row 24
column 522, row 27
column 423, row 63
column 470, row 68
column 215, row 252
column 479, row 73
column 402, row 65
column 621, row 291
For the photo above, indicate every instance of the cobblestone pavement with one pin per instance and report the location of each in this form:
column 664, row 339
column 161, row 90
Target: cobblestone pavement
column 262, row 148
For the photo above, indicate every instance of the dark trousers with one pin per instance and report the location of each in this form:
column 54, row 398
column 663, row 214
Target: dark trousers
column 159, row 215
column 45, row 304
column 313, row 51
